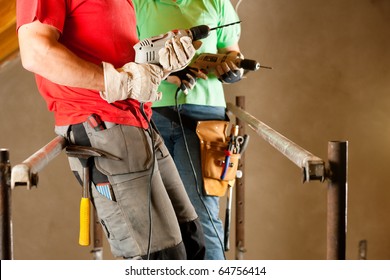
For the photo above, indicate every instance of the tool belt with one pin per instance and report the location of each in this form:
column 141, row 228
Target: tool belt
column 214, row 143
column 218, row 172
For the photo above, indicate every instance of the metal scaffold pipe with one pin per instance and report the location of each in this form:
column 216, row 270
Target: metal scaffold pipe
column 313, row 167
column 240, row 194
column 26, row 173
column 6, row 250
column 337, row 200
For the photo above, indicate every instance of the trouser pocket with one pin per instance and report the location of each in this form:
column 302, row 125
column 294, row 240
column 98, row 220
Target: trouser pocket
column 119, row 232
column 131, row 144
column 137, row 193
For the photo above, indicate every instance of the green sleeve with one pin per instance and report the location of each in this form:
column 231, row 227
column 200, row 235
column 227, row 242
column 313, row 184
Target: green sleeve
column 230, row 35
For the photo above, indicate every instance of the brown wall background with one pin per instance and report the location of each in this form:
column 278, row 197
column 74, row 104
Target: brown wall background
column 330, row 81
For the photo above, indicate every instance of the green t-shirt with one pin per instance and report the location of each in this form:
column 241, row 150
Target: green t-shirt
column 156, row 17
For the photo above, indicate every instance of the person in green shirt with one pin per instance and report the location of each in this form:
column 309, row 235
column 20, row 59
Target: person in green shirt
column 201, row 98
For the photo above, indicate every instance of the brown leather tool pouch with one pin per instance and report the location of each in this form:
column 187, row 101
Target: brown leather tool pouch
column 213, row 144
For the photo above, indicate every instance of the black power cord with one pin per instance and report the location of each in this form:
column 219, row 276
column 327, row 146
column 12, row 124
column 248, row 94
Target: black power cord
column 150, row 132
column 194, row 172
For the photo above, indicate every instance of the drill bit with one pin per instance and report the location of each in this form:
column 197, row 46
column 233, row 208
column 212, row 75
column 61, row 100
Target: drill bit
column 233, row 23
column 222, row 26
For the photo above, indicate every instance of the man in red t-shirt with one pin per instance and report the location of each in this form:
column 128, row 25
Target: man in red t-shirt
column 82, row 54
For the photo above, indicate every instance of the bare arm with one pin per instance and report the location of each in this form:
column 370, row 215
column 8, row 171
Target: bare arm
column 231, row 48
column 41, row 53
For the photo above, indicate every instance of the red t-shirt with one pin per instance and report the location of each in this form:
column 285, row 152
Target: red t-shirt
column 96, row 31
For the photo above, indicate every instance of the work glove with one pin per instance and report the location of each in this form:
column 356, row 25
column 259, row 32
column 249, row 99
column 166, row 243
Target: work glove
column 228, row 72
column 177, row 53
column 186, row 78
column 136, row 81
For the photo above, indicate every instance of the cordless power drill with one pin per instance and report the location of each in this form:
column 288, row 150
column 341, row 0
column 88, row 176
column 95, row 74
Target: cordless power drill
column 208, row 62
column 146, row 51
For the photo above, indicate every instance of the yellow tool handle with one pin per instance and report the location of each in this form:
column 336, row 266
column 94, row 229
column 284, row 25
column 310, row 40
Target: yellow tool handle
column 84, row 239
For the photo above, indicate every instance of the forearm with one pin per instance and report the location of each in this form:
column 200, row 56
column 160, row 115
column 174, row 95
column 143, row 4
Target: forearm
column 64, row 68
column 42, row 54
column 231, row 48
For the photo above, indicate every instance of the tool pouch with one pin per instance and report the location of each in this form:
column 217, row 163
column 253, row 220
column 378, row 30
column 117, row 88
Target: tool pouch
column 213, row 144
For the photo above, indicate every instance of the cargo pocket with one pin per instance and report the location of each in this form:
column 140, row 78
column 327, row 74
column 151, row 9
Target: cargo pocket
column 159, row 146
column 125, row 247
column 115, row 226
column 129, row 143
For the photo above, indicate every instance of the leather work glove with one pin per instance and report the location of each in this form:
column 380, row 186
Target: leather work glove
column 136, row 81
column 186, row 78
column 177, row 53
column 228, row 72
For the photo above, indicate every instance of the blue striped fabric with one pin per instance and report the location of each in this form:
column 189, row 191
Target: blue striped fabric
column 104, row 189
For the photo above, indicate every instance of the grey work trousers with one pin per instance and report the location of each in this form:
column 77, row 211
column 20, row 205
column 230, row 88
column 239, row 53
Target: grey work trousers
column 147, row 192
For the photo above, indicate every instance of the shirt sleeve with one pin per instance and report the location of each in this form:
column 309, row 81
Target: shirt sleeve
column 51, row 12
column 230, row 35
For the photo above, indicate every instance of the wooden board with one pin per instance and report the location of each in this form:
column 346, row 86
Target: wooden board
column 8, row 38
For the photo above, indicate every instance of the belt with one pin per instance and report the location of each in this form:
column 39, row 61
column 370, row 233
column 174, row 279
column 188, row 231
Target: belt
column 171, row 114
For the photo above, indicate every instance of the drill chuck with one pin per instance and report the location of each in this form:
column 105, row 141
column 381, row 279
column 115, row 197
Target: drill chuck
column 199, row 32
column 249, row 64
